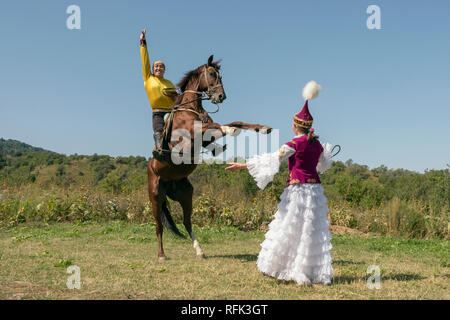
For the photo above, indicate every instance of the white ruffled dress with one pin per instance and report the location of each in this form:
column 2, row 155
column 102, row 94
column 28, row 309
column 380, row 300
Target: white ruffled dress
column 298, row 243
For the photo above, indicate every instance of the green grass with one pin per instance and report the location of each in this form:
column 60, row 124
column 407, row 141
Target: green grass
column 118, row 260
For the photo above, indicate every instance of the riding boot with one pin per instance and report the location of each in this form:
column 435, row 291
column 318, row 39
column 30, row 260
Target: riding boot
column 157, row 151
column 157, row 137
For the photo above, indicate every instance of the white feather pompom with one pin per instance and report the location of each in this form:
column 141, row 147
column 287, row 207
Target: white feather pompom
column 311, row 90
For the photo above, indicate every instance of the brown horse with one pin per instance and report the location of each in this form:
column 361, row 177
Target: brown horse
column 167, row 179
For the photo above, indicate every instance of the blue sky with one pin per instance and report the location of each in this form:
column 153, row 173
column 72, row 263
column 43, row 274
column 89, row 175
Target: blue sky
column 385, row 96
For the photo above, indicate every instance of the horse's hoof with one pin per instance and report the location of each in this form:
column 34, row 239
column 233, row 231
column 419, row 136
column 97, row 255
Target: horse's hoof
column 162, row 259
column 201, row 256
column 234, row 132
column 265, row 130
column 215, row 154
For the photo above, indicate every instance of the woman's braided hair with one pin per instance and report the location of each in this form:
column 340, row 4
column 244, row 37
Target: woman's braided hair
column 310, row 132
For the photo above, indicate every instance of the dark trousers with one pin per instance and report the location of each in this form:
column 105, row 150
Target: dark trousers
column 158, row 121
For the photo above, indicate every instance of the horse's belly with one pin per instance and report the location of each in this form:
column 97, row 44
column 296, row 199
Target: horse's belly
column 176, row 172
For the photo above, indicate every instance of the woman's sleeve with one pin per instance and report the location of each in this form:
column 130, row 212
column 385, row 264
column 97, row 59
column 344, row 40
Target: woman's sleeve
column 264, row 167
column 146, row 66
column 285, row 152
column 325, row 161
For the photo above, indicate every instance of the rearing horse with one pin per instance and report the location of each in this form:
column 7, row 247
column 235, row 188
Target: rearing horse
column 166, row 179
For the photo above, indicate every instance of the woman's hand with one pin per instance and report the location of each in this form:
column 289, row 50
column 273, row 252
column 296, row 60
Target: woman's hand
column 234, row 166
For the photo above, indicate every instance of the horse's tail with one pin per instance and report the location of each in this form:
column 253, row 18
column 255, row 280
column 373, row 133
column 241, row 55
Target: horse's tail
column 168, row 221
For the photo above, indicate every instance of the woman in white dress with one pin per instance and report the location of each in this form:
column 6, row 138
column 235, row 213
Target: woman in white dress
column 298, row 243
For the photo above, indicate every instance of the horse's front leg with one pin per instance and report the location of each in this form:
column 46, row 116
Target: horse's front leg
column 247, row 126
column 217, row 130
column 213, row 131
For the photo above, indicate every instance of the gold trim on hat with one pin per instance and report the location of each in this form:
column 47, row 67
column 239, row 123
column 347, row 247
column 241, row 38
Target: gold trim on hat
column 301, row 123
column 304, row 121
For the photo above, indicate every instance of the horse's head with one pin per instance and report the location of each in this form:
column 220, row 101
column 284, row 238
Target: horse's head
column 211, row 81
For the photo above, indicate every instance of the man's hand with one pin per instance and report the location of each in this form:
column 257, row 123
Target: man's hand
column 234, row 166
column 170, row 92
column 173, row 95
column 142, row 37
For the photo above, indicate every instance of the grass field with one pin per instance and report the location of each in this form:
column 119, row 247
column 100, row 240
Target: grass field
column 118, row 260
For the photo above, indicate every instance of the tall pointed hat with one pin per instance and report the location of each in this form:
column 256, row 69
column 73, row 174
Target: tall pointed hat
column 304, row 118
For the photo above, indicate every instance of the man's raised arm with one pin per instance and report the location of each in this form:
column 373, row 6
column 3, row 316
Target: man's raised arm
column 146, row 66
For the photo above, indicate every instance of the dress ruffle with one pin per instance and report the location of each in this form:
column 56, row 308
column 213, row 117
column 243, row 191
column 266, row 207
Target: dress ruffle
column 298, row 243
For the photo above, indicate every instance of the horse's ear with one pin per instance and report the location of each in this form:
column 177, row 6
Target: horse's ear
column 216, row 63
column 210, row 59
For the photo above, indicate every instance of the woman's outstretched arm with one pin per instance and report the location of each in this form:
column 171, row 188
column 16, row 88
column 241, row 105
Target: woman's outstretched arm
column 264, row 167
column 234, row 166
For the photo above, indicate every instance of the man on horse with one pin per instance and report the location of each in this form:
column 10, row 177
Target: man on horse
column 160, row 91
column 167, row 179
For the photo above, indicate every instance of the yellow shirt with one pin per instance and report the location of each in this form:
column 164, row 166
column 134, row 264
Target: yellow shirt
column 154, row 86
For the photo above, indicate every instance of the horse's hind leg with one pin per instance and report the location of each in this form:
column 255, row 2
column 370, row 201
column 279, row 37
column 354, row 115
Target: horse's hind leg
column 157, row 213
column 184, row 197
column 157, row 199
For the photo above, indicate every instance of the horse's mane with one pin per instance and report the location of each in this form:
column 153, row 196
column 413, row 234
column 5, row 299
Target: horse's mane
column 188, row 76
column 192, row 75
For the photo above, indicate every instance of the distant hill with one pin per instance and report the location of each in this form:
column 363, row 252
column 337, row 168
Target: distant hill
column 11, row 147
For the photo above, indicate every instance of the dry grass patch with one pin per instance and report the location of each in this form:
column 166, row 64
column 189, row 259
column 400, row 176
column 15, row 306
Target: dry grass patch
column 119, row 261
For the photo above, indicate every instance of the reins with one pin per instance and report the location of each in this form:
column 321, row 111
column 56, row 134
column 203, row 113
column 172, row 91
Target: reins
column 202, row 95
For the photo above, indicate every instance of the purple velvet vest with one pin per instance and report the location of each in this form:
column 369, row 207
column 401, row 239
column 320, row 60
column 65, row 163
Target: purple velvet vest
column 303, row 163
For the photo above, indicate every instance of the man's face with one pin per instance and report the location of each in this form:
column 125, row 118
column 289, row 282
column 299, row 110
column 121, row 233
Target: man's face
column 159, row 69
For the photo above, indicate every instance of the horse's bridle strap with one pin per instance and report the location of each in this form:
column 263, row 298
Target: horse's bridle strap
column 202, row 116
column 217, row 84
column 208, row 89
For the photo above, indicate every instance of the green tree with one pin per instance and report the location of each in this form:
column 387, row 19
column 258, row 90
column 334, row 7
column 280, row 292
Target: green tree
column 2, row 161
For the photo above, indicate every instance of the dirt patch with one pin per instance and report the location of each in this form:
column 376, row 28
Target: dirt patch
column 345, row 230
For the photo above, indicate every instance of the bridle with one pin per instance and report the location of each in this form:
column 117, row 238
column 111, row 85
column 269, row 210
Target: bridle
column 209, row 87
column 202, row 93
